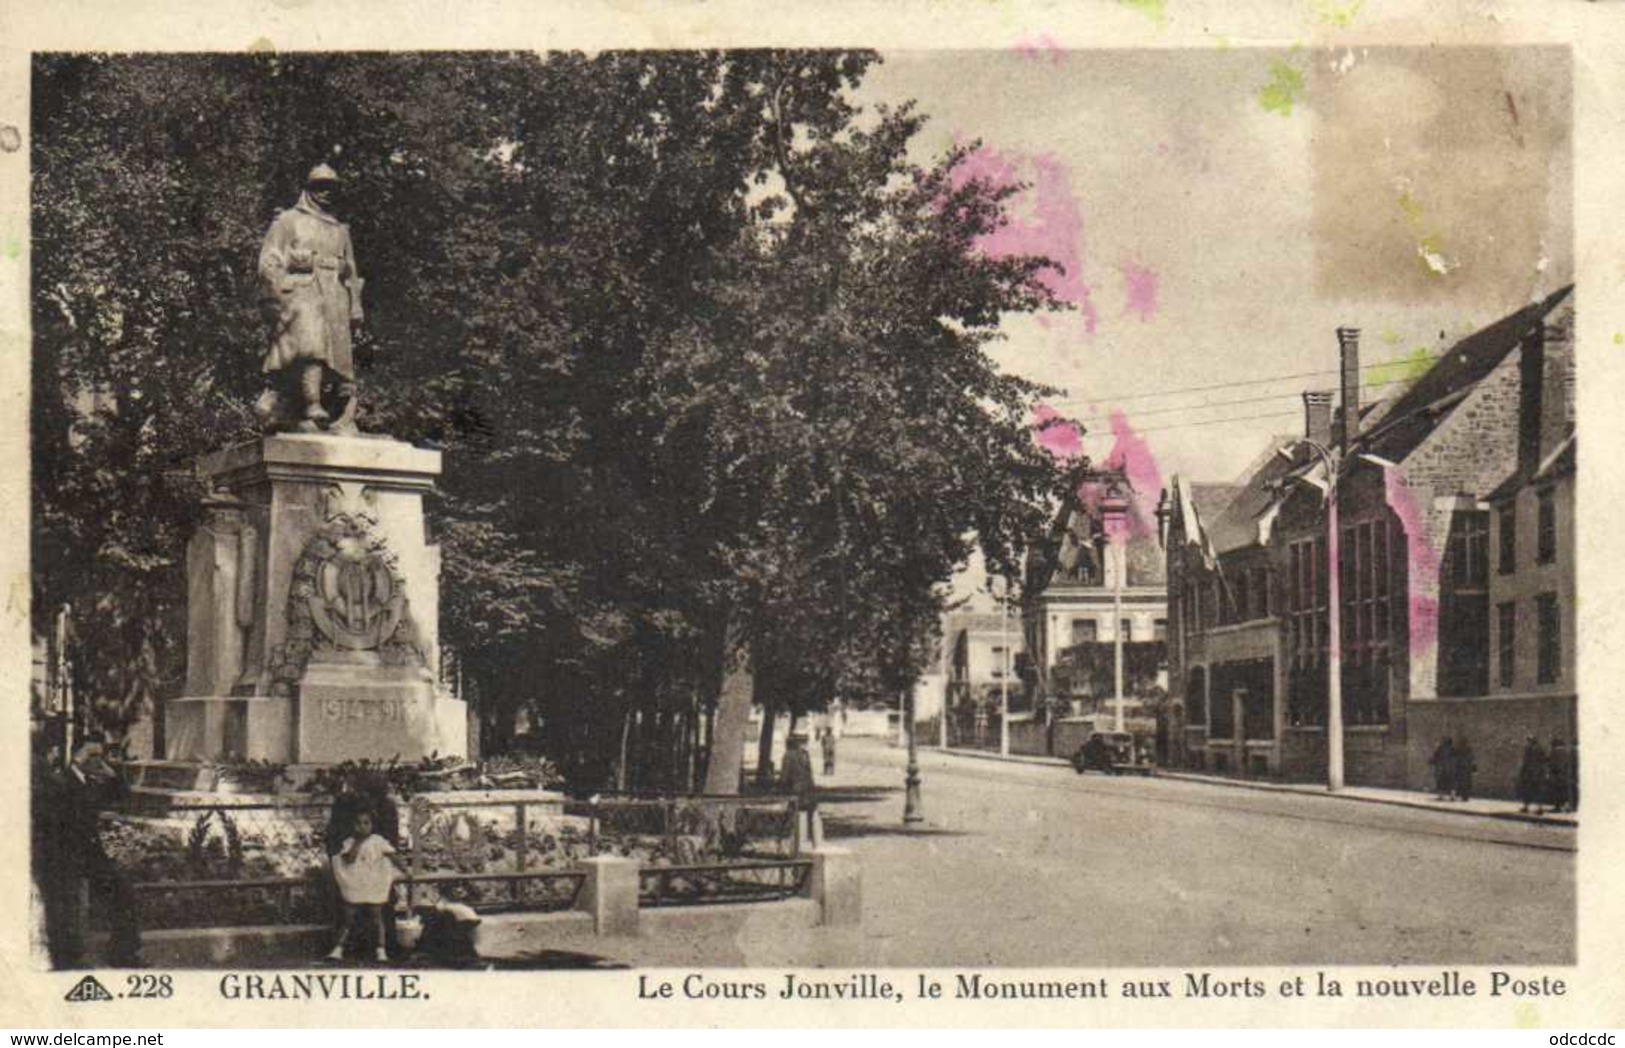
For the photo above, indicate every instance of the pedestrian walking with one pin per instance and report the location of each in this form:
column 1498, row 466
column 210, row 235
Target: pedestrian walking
column 827, row 742
column 1532, row 772
column 365, row 871
column 1443, row 763
column 1466, row 766
column 1559, row 776
column 797, row 780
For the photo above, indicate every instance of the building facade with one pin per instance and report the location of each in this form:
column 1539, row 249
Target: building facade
column 1101, row 581
column 1415, row 479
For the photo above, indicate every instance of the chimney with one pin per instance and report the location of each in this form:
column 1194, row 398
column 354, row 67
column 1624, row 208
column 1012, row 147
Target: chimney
column 1317, row 417
column 1531, row 391
column 1348, row 346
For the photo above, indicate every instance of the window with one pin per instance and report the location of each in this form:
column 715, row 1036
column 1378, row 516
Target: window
column 1126, row 630
column 1506, row 637
column 1507, row 520
column 1363, row 563
column 1084, row 631
column 1305, row 613
column 1549, row 655
column 1261, row 593
column 1469, row 549
column 999, row 662
column 1241, row 606
column 1159, row 630
column 1546, row 528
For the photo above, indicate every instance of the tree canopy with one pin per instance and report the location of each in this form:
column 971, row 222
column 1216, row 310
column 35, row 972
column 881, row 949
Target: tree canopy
column 704, row 343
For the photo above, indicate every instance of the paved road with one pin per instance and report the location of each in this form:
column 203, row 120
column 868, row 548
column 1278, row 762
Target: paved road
column 1032, row 865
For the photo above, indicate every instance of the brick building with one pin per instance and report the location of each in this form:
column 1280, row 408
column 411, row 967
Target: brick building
column 1417, row 474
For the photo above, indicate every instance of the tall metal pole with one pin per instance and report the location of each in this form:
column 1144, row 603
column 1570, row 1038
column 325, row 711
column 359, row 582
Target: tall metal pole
column 1334, row 641
column 1117, row 634
column 911, row 776
column 1004, row 673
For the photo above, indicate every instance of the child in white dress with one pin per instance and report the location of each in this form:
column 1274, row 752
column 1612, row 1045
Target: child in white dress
column 365, row 871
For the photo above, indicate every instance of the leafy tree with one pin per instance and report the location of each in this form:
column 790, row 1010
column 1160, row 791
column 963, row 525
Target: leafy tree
column 705, row 350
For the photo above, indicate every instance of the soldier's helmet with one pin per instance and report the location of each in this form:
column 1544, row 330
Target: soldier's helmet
column 321, row 173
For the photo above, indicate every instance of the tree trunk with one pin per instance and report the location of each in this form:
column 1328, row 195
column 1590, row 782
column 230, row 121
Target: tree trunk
column 620, row 768
column 726, row 739
column 764, row 745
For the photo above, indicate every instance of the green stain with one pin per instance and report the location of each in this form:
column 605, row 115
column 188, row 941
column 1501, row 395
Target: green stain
column 14, row 248
column 1412, row 209
column 1401, row 370
column 1619, row 338
column 1340, row 15
column 1390, row 336
column 1284, row 90
column 1156, row 10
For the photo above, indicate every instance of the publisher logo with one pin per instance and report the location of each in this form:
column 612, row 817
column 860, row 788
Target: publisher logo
column 88, row 989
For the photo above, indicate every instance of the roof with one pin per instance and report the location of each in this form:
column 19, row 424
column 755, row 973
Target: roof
column 1239, row 525
column 1417, row 412
column 1210, row 500
column 1558, row 463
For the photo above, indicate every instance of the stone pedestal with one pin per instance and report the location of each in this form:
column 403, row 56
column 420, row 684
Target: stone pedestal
column 313, row 632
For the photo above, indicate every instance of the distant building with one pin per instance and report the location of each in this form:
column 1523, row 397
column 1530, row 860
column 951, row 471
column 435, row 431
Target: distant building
column 1488, row 427
column 984, row 652
column 1086, row 591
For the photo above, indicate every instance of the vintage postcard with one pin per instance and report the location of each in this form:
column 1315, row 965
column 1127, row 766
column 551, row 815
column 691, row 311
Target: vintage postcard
column 953, row 514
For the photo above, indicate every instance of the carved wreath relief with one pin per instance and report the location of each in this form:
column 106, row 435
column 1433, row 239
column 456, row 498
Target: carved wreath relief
column 348, row 593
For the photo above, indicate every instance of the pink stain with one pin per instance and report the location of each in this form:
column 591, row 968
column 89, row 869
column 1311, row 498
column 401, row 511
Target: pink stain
column 1131, row 454
column 1044, row 219
column 1140, row 289
column 1421, row 560
column 1061, row 440
column 1043, row 46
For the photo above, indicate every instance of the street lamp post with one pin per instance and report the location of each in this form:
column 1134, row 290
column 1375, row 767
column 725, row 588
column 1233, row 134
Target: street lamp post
column 911, row 775
column 1113, row 508
column 1005, row 662
column 1334, row 620
column 1117, row 645
column 1334, row 642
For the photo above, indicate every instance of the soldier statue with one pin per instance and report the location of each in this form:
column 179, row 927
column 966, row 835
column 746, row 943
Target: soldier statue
column 311, row 294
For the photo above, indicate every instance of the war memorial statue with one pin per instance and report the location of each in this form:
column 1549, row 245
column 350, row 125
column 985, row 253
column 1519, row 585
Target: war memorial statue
column 313, row 584
column 311, row 294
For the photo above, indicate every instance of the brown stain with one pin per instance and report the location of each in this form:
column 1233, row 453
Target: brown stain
column 1512, row 109
column 1426, row 123
column 11, row 139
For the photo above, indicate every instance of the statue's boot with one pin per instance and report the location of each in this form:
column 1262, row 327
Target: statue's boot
column 310, row 383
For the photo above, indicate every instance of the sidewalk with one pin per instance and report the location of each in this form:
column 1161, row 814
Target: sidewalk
column 1483, row 807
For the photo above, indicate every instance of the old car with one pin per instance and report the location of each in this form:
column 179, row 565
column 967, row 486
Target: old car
column 1113, row 752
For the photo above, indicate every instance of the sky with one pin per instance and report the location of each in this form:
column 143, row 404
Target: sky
column 1222, row 211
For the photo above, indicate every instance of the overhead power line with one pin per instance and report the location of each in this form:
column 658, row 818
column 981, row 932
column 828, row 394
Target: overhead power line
column 1223, row 403
column 1215, row 421
column 1505, row 365
column 1149, row 394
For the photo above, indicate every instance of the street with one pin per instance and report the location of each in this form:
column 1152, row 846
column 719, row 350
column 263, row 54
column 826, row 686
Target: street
column 1031, row 865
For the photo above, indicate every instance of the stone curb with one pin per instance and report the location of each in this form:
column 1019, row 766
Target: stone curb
column 1399, row 801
